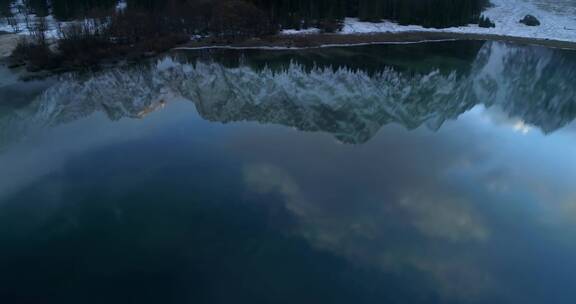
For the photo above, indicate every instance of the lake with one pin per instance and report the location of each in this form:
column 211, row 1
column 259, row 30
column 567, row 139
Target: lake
column 421, row 173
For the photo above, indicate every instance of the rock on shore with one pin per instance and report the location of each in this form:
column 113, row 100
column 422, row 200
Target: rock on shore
column 8, row 43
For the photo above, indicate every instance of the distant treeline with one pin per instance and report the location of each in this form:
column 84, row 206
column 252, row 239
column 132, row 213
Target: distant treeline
column 141, row 28
column 286, row 13
column 429, row 13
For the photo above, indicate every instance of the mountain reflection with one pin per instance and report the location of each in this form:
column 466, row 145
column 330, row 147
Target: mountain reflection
column 481, row 211
column 531, row 84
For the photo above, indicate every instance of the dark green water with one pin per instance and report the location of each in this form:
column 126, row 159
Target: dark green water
column 433, row 173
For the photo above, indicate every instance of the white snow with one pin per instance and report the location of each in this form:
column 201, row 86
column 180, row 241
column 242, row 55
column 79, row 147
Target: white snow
column 307, row 31
column 121, row 6
column 22, row 19
column 558, row 23
column 21, row 26
column 558, row 18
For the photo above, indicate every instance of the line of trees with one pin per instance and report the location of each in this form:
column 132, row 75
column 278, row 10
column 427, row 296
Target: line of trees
column 5, row 7
column 289, row 13
column 147, row 27
column 143, row 29
column 429, row 13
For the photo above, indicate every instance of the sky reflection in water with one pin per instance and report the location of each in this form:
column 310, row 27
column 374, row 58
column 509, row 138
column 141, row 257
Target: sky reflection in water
column 285, row 207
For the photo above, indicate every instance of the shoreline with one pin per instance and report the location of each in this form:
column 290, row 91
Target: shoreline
column 281, row 42
column 310, row 41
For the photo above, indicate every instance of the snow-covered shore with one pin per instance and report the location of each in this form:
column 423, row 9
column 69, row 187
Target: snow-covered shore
column 557, row 24
column 558, row 18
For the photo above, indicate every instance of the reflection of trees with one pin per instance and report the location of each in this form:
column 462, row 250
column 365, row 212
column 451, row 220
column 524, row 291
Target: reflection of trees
column 446, row 57
column 530, row 83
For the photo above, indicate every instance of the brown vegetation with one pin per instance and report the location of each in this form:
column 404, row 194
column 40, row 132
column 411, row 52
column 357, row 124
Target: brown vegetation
column 137, row 33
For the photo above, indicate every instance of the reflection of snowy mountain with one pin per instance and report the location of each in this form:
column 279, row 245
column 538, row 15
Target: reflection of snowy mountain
column 534, row 84
column 350, row 105
column 530, row 83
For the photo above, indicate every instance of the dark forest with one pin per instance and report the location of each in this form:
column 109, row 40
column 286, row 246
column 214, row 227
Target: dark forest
column 283, row 13
column 146, row 27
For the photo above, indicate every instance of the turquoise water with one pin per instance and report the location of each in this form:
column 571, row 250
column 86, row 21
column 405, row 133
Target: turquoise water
column 433, row 173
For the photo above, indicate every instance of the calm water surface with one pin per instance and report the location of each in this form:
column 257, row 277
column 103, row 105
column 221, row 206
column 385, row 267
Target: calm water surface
column 431, row 173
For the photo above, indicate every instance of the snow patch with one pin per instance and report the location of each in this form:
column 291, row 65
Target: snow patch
column 558, row 22
column 121, row 6
column 307, row 31
column 504, row 13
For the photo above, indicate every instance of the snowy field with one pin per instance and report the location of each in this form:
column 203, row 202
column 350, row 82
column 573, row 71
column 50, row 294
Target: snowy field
column 21, row 20
column 558, row 19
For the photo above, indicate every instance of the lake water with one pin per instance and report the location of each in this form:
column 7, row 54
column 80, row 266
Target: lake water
column 424, row 173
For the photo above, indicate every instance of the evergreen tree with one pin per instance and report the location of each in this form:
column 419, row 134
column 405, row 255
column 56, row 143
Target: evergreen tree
column 38, row 7
column 70, row 9
column 294, row 13
column 486, row 22
column 5, row 8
